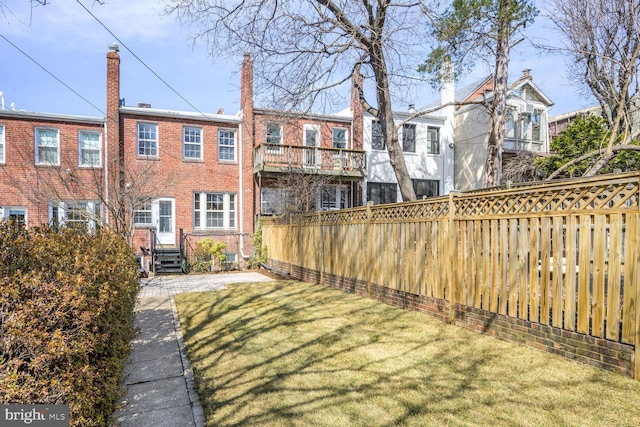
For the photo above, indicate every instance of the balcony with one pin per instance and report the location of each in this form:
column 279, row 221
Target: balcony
column 277, row 158
column 511, row 144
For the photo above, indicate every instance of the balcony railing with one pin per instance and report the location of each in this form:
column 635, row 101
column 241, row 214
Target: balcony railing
column 522, row 144
column 300, row 159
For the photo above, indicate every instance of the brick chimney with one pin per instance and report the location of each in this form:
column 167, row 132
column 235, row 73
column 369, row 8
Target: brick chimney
column 114, row 162
column 251, row 189
column 356, row 110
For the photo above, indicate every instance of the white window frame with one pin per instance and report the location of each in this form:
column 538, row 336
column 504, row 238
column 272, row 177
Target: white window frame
column 201, row 207
column 433, row 147
column 13, row 211
column 188, row 141
column 539, row 113
column 272, row 139
column 346, row 138
column 2, row 145
column 82, row 149
column 225, row 146
column 311, row 155
column 149, row 151
column 333, row 197
column 143, row 207
column 58, row 211
column 37, row 132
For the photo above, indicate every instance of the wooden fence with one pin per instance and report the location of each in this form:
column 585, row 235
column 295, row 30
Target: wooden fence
column 563, row 254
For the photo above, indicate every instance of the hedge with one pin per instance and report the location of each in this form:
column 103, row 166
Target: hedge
column 67, row 302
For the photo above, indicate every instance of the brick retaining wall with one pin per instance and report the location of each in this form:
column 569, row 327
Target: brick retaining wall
column 610, row 355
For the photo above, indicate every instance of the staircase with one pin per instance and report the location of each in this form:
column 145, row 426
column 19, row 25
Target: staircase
column 168, row 260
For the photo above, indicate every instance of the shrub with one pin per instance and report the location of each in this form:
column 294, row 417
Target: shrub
column 260, row 255
column 206, row 253
column 67, row 302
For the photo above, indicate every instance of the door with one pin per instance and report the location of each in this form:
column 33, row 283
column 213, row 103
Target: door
column 311, row 139
column 165, row 221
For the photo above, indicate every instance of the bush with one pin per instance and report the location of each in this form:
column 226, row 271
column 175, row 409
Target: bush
column 206, row 253
column 67, row 302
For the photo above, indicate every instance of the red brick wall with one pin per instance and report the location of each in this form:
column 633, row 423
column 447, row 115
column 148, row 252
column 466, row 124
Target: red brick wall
column 610, row 355
column 171, row 176
column 23, row 183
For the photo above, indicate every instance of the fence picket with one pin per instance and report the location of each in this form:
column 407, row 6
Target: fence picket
column 563, row 254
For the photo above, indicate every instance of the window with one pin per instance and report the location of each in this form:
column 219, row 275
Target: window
column 339, row 138
column 192, row 142
column 89, row 148
column 214, row 210
column 148, row 139
column 510, row 123
column 433, row 140
column 379, row 193
column 14, row 214
column 274, row 137
column 142, row 214
column 311, row 139
column 2, row 159
column 536, row 130
column 333, row 197
column 409, row 138
column 76, row 213
column 426, row 187
column 227, row 145
column 377, row 141
column 230, row 260
column 523, row 125
column 271, row 201
column 47, row 146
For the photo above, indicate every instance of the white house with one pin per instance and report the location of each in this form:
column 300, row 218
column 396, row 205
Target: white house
column 427, row 143
column 526, row 126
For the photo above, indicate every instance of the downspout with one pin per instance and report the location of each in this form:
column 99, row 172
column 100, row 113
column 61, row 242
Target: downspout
column 240, row 192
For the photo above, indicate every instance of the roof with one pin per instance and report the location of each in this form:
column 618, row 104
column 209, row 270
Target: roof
column 342, row 116
column 53, row 117
column 156, row 112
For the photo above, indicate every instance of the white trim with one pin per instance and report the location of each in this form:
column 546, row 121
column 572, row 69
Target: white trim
column 92, row 132
column 36, row 134
column 201, row 143
column 157, row 140
column 3, row 146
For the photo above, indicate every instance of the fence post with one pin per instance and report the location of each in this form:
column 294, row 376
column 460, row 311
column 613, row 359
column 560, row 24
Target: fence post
column 452, row 255
column 635, row 282
column 369, row 248
column 289, row 250
column 322, row 253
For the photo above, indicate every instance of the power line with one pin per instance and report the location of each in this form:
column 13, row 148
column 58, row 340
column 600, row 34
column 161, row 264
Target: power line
column 138, row 58
column 52, row 75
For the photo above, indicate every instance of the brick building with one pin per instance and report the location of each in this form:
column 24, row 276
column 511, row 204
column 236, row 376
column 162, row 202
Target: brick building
column 171, row 177
column 50, row 167
column 318, row 157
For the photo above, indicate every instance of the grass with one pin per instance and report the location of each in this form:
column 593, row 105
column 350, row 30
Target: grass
column 296, row 354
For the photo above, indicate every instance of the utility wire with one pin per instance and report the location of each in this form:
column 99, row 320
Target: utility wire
column 52, row 75
column 141, row 61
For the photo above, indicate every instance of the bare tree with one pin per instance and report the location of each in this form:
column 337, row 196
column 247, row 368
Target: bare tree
column 305, row 50
column 520, row 168
column 603, row 41
column 119, row 195
column 299, row 193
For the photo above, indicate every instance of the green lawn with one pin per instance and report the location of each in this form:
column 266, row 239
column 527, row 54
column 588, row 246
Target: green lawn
column 296, row 354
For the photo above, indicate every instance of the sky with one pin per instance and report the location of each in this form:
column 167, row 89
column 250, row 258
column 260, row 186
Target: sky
column 70, row 46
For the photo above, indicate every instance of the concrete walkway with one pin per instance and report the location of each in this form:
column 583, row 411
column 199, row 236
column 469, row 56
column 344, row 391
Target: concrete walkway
column 159, row 382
